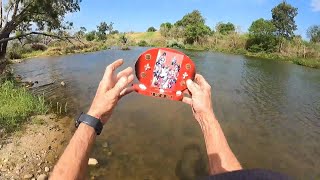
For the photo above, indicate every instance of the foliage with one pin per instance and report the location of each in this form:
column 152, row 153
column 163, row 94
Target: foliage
column 38, row 47
column 151, row 29
column 81, row 32
column 225, row 28
column 91, row 36
column 175, row 44
column 114, row 32
column 165, row 29
column 17, row 104
column 143, row 43
column 313, row 33
column 123, row 39
column 283, row 19
column 193, row 27
column 261, row 36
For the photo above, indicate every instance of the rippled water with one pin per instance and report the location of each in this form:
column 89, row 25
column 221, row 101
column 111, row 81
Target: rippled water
column 269, row 111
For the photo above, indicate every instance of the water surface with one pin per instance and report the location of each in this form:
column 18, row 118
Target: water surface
column 269, row 111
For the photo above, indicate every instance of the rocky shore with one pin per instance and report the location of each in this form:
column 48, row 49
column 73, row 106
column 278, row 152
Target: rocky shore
column 31, row 152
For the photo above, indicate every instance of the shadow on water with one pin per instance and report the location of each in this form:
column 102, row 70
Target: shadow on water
column 269, row 112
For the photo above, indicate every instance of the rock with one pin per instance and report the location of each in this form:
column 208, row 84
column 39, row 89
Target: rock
column 5, row 161
column 46, row 169
column 0, row 146
column 28, row 176
column 109, row 153
column 49, row 147
column 25, row 156
column 33, row 179
column 63, row 83
column 42, row 177
column 92, row 162
column 105, row 145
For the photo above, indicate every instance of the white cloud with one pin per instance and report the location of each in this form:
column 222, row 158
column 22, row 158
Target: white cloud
column 315, row 4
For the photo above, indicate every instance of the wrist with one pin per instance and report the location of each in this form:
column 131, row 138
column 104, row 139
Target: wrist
column 95, row 114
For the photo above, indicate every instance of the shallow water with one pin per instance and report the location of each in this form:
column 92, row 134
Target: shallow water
column 269, row 111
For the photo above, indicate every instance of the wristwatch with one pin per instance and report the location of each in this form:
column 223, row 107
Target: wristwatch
column 90, row 121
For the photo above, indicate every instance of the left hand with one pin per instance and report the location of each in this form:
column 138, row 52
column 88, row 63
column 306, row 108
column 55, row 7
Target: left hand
column 110, row 90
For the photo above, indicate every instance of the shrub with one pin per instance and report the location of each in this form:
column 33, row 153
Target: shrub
column 151, row 29
column 38, row 47
column 143, row 43
column 175, row 44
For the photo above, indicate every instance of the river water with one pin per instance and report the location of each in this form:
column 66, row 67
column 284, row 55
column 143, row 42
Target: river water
column 269, row 112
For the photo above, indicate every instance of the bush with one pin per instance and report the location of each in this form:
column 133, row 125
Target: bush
column 38, row 47
column 16, row 51
column 91, row 36
column 175, row 44
column 151, row 29
column 17, row 104
column 143, row 43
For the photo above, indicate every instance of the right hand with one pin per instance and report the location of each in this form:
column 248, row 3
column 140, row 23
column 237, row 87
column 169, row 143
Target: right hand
column 200, row 100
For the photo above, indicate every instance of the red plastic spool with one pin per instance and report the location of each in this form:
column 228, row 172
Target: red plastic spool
column 162, row 72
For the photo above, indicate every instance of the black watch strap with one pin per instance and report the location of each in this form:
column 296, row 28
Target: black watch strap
column 90, row 121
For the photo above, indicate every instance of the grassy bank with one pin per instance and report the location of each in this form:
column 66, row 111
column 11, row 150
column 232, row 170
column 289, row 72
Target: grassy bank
column 295, row 52
column 17, row 105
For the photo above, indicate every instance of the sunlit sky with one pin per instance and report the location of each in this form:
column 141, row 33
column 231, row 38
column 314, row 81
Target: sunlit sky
column 138, row 15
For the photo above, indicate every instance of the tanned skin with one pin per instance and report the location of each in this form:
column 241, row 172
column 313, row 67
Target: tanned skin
column 74, row 161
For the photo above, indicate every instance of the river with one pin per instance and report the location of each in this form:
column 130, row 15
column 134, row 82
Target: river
column 269, row 112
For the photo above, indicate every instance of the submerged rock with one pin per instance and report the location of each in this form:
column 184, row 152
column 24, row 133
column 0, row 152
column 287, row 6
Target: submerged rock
column 42, row 177
column 46, row 169
column 28, row 176
column 63, row 83
column 92, row 162
column 105, row 145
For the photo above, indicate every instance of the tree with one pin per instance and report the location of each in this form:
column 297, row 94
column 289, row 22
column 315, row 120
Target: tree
column 193, row 25
column 91, row 36
column 82, row 32
column 225, row 28
column 151, row 29
column 101, row 31
column 261, row 36
column 24, row 15
column 165, row 29
column 313, row 33
column 283, row 19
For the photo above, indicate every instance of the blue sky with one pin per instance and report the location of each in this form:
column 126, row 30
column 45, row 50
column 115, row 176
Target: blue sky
column 138, row 15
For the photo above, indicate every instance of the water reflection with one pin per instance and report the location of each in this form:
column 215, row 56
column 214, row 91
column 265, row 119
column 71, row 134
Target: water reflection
column 269, row 111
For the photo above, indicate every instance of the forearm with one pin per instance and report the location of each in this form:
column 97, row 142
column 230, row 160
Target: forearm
column 74, row 161
column 221, row 157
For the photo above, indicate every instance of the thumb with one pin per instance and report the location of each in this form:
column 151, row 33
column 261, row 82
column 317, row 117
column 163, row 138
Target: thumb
column 192, row 86
column 120, row 85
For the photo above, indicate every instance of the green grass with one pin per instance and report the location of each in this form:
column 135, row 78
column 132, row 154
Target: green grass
column 17, row 104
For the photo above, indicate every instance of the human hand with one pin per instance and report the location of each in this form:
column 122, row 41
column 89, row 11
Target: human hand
column 110, row 90
column 200, row 100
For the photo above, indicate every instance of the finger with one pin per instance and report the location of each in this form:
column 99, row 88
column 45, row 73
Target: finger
column 130, row 78
column 125, row 72
column 193, row 87
column 199, row 79
column 120, row 85
column 111, row 68
column 187, row 100
column 126, row 91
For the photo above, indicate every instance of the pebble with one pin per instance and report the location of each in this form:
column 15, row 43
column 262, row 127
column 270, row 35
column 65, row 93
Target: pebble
column 0, row 146
column 5, row 160
column 63, row 83
column 28, row 176
column 46, row 169
column 42, row 177
column 92, row 162
column 105, row 145
column 25, row 156
column 109, row 153
column 33, row 179
column 49, row 147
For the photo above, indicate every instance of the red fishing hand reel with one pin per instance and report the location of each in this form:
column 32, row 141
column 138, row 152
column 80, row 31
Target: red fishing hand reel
column 162, row 72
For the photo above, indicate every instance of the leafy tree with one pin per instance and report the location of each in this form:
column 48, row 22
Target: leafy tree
column 91, row 36
column 82, row 32
column 165, row 29
column 313, row 33
column 151, row 29
column 225, row 28
column 102, row 31
column 194, row 17
column 283, row 19
column 25, row 15
column 261, row 36
column 193, row 25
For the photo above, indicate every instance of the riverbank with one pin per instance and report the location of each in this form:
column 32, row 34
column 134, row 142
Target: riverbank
column 224, row 44
column 30, row 139
column 31, row 152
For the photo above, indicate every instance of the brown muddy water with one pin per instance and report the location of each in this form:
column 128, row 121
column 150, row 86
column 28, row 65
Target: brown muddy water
column 269, row 111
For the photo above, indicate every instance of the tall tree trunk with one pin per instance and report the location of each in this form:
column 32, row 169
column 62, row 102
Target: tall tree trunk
column 3, row 51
